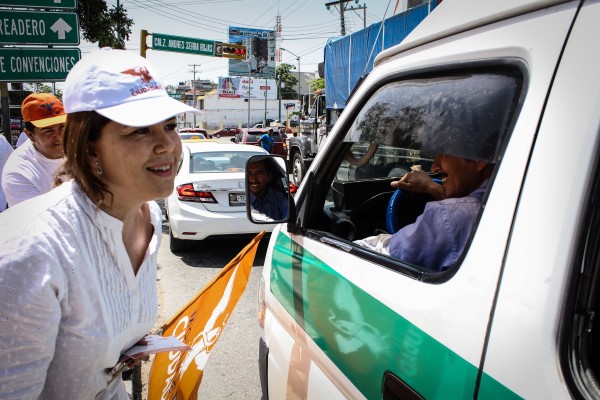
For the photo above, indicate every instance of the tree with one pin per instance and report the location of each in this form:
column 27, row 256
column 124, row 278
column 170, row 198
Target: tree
column 108, row 28
column 289, row 82
column 43, row 88
column 316, row 84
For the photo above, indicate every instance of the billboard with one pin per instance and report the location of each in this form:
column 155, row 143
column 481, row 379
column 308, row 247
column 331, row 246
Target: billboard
column 237, row 87
column 260, row 51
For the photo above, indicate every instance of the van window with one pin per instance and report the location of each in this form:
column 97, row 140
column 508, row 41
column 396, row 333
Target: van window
column 403, row 126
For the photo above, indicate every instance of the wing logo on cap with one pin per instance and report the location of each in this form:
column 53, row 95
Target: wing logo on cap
column 142, row 72
column 148, row 83
column 49, row 107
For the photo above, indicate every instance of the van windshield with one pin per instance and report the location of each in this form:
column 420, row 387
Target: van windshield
column 465, row 115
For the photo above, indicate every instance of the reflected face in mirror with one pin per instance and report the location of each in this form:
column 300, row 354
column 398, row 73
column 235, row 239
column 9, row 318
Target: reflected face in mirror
column 258, row 178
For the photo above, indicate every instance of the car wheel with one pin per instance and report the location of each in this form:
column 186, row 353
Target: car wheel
column 218, row 136
column 176, row 244
column 297, row 168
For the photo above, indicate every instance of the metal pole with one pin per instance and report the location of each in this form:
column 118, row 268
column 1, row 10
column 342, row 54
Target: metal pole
column 4, row 103
column 299, row 95
column 194, row 90
column 279, row 95
column 248, row 123
column 265, row 121
column 297, row 58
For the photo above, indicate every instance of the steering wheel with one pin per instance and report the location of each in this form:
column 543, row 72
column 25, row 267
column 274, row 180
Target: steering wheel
column 392, row 222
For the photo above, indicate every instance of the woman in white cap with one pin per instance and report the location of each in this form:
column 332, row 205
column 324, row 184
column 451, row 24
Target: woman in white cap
column 78, row 264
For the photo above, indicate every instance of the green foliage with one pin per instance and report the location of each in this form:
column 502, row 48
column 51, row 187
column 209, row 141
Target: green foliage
column 287, row 82
column 103, row 26
column 42, row 88
column 316, row 84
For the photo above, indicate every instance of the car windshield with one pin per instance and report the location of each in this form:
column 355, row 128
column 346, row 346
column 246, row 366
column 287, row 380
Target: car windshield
column 186, row 136
column 219, row 161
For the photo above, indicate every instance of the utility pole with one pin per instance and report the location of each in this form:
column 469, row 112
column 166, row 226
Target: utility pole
column 194, row 90
column 342, row 8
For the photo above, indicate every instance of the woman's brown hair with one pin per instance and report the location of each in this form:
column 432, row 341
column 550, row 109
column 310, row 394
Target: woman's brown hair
column 82, row 130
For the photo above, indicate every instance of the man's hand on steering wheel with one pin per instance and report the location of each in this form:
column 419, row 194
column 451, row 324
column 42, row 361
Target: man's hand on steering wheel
column 420, row 182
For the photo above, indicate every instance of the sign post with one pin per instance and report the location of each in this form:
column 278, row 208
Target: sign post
column 181, row 44
column 202, row 47
column 39, row 27
column 62, row 4
column 36, row 64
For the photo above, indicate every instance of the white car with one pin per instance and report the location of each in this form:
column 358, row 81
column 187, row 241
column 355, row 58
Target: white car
column 209, row 198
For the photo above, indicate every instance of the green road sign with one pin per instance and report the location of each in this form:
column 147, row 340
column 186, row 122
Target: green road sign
column 39, row 27
column 70, row 4
column 31, row 65
column 180, row 44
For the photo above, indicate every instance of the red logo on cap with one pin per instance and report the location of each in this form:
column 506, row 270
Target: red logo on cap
column 142, row 72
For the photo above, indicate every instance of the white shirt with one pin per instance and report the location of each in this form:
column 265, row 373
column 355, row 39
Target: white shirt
column 28, row 174
column 70, row 300
column 5, row 151
column 22, row 138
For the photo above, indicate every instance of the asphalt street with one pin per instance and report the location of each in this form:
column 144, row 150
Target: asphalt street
column 232, row 369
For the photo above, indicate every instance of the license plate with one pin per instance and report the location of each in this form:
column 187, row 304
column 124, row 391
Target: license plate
column 237, row 199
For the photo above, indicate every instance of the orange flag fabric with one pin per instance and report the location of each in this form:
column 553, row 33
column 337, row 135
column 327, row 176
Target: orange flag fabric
column 176, row 375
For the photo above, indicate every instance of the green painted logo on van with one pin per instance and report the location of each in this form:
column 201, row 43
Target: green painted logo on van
column 365, row 338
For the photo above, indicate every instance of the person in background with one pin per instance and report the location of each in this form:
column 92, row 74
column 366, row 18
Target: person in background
column 78, row 264
column 5, row 151
column 266, row 140
column 30, row 169
column 22, row 138
column 264, row 198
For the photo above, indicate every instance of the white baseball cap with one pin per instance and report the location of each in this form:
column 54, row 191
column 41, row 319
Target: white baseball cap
column 121, row 86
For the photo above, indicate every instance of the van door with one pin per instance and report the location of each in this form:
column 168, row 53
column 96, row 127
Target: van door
column 548, row 241
column 344, row 321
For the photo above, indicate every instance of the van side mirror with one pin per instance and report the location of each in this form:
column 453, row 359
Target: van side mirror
column 267, row 189
column 234, row 139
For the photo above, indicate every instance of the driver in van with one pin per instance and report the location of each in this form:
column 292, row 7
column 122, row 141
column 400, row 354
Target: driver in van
column 438, row 236
column 264, row 197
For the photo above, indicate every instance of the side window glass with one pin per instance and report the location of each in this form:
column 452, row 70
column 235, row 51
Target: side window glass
column 419, row 158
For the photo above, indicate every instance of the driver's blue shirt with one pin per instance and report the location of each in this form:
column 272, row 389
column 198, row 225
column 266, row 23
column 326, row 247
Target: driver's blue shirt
column 274, row 205
column 438, row 237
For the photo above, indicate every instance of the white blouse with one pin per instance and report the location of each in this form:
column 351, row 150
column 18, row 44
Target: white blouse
column 70, row 302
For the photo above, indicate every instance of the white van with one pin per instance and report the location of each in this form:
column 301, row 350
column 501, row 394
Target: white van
column 518, row 84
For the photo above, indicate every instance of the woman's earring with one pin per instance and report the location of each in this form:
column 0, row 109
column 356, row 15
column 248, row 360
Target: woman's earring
column 98, row 168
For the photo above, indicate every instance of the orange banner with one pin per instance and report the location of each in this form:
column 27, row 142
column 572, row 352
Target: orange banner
column 176, row 375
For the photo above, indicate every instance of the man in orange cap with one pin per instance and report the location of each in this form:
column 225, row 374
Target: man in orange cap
column 30, row 169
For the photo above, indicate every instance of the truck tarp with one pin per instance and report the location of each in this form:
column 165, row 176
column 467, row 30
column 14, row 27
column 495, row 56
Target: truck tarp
column 349, row 57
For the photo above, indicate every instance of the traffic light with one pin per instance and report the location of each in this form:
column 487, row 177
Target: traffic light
column 237, row 51
column 143, row 43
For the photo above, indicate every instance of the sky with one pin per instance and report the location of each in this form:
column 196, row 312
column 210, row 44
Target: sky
column 306, row 26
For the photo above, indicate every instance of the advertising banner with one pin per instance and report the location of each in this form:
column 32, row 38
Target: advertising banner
column 260, row 50
column 237, row 87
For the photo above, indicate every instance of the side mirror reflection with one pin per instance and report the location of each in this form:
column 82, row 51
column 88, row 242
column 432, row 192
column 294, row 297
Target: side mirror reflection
column 267, row 189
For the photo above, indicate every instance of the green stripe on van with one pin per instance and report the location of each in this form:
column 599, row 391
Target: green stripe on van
column 364, row 337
